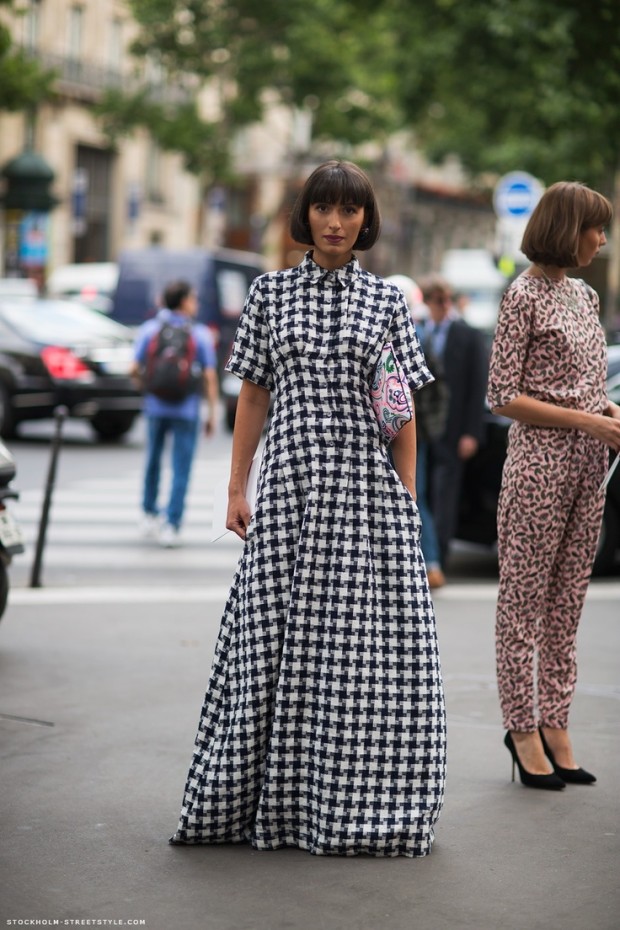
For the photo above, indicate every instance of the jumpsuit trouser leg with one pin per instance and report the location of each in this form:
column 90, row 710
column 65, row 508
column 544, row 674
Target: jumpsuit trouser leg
column 548, row 524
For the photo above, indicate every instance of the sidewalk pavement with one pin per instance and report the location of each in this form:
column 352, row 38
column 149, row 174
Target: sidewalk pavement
column 99, row 701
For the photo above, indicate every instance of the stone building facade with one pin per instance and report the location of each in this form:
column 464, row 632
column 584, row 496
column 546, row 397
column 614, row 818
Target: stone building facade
column 110, row 197
column 132, row 194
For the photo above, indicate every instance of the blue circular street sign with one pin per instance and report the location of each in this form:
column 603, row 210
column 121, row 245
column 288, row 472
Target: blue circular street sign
column 516, row 194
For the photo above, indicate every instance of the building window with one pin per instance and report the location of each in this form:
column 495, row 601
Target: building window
column 76, row 29
column 154, row 174
column 115, row 56
column 32, row 25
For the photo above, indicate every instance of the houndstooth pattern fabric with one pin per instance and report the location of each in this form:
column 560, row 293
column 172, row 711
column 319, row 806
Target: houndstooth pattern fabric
column 323, row 726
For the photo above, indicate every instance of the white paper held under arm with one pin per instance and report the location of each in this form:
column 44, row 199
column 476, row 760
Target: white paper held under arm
column 612, row 469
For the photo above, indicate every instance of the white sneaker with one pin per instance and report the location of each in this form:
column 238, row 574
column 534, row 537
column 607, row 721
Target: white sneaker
column 169, row 536
column 149, row 525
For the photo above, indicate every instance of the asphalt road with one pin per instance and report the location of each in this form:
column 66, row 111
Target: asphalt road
column 102, row 675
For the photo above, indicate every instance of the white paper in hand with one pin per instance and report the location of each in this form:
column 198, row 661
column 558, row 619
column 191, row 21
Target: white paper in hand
column 220, row 502
column 612, row 469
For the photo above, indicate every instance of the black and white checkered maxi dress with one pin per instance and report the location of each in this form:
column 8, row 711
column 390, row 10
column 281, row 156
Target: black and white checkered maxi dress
column 323, row 725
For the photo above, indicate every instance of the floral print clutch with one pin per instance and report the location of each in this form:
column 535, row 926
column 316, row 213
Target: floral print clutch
column 390, row 394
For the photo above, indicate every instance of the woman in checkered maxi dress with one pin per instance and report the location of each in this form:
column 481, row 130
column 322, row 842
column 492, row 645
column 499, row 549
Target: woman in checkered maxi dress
column 323, row 726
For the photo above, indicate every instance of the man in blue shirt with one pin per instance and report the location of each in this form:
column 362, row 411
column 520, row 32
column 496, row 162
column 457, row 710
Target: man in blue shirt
column 181, row 419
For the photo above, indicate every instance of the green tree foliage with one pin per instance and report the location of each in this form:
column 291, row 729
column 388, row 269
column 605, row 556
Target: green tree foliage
column 530, row 84
column 23, row 83
column 314, row 55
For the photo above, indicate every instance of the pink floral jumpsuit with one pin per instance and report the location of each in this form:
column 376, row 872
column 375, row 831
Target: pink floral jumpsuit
column 551, row 347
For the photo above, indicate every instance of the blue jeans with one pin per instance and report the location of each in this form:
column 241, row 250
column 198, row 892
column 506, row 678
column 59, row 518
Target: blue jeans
column 184, row 436
column 428, row 539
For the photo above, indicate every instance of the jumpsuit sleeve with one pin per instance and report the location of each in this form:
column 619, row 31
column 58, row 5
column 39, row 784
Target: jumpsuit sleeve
column 250, row 358
column 510, row 348
column 407, row 349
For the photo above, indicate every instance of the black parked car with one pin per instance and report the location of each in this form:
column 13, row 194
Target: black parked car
column 483, row 475
column 56, row 352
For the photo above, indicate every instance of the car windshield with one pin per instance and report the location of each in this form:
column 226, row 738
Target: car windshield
column 49, row 321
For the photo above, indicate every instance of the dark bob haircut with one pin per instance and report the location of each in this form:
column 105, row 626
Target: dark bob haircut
column 337, row 182
column 563, row 212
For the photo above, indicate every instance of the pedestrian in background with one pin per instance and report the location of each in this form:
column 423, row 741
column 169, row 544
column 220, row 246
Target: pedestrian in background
column 175, row 376
column 431, row 409
column 547, row 372
column 461, row 354
column 323, row 726
column 431, row 414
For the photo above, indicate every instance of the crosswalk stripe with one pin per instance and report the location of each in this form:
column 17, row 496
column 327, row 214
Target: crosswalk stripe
column 118, row 513
column 214, row 594
column 78, row 494
column 27, row 597
column 137, row 557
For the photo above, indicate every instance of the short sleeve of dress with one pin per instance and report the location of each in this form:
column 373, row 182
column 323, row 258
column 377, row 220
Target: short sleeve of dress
column 407, row 349
column 510, row 347
column 250, row 357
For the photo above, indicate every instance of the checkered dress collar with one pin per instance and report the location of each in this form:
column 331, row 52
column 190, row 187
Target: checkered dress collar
column 340, row 277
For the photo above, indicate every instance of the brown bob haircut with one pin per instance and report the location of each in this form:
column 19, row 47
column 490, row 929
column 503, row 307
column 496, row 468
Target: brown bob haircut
column 563, row 212
column 337, row 182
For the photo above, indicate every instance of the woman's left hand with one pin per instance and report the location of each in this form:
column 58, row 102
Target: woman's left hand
column 613, row 410
column 606, row 427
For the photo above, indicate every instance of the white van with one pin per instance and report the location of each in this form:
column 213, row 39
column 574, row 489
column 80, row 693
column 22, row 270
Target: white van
column 93, row 283
column 473, row 273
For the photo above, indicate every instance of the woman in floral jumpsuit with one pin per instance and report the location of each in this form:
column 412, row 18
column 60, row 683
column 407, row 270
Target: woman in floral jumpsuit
column 547, row 372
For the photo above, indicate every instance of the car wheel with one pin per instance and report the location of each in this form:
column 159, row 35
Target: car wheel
column 111, row 427
column 608, row 542
column 7, row 417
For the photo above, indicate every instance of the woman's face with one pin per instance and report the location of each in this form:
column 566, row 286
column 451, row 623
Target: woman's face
column 590, row 242
column 334, row 228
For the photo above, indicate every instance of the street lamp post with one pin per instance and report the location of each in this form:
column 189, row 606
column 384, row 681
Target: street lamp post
column 27, row 201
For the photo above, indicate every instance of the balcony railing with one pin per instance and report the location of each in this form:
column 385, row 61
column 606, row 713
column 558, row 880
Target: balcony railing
column 87, row 81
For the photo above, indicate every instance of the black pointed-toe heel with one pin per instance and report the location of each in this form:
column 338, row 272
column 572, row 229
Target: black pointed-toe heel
column 550, row 782
column 572, row 776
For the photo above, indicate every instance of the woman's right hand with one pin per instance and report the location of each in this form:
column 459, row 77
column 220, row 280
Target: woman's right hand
column 605, row 428
column 238, row 515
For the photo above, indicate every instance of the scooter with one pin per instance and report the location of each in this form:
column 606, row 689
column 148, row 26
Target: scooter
column 11, row 537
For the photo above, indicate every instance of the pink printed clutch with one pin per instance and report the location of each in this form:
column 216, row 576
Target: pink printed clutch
column 390, row 394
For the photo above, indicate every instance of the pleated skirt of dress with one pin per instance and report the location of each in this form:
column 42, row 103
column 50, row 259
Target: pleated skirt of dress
column 323, row 726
